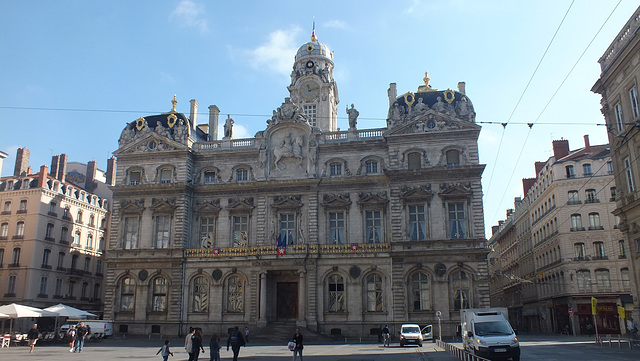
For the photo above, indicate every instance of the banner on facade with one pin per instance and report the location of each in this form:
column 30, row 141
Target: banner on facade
column 621, row 312
column 594, row 306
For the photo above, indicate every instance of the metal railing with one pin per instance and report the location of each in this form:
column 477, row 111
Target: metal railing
column 459, row 353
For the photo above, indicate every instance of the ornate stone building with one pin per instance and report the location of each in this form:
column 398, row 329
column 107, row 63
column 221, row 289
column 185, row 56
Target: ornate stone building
column 52, row 234
column 618, row 85
column 335, row 231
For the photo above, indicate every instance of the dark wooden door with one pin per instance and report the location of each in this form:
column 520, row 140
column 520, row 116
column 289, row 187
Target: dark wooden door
column 287, row 301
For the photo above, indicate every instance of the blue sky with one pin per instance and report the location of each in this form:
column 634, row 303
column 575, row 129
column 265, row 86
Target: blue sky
column 75, row 72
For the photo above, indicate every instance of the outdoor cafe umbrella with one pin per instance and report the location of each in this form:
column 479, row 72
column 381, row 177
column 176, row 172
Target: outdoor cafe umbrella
column 15, row 310
column 63, row 310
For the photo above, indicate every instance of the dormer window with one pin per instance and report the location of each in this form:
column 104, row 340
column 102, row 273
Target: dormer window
column 209, row 177
column 413, row 161
column 453, row 157
column 242, row 175
column 135, row 177
column 335, row 169
column 371, row 167
column 165, row 175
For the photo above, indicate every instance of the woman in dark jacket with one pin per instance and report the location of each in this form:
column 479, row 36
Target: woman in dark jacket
column 196, row 346
column 298, row 338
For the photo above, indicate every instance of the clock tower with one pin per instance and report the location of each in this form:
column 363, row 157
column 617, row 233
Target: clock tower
column 312, row 86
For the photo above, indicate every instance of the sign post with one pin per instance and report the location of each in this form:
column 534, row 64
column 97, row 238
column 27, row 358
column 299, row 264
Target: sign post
column 594, row 312
column 439, row 315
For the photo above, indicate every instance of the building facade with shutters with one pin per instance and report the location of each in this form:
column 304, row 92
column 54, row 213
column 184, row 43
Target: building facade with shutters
column 53, row 234
column 618, row 85
column 569, row 247
column 302, row 225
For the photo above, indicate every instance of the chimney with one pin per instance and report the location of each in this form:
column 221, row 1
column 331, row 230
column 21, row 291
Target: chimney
column 527, row 183
column 509, row 212
column 111, row 171
column 494, row 229
column 392, row 92
column 560, row 148
column 194, row 113
column 214, row 113
column 539, row 166
column 62, row 168
column 42, row 178
column 55, row 160
column 461, row 87
column 89, row 180
column 587, row 146
column 3, row 155
column 22, row 162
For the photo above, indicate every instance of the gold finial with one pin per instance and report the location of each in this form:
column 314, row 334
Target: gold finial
column 426, row 87
column 173, row 103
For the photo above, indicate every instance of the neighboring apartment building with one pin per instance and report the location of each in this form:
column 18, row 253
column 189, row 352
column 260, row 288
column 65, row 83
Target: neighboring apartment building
column 618, row 84
column 52, row 236
column 571, row 250
column 302, row 225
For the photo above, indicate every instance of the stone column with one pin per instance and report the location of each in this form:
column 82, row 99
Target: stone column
column 262, row 319
column 302, row 300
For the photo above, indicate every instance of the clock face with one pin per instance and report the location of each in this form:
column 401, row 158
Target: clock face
column 310, row 64
column 309, row 90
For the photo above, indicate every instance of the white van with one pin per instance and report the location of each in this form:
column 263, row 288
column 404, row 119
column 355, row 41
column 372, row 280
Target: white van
column 411, row 333
column 487, row 333
column 99, row 328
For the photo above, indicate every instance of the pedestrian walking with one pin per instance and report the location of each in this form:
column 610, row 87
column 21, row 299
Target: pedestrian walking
column 196, row 345
column 297, row 350
column 236, row 341
column 33, row 336
column 385, row 336
column 81, row 333
column 188, row 343
column 164, row 351
column 633, row 330
column 246, row 335
column 214, row 348
column 72, row 334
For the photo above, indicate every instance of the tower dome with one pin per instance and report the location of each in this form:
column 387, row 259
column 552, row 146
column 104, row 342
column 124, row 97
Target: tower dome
column 314, row 48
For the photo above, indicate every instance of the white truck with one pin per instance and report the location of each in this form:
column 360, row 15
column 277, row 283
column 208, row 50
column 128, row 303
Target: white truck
column 486, row 332
column 99, row 328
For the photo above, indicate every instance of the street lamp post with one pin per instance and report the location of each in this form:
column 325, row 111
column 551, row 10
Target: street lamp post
column 439, row 316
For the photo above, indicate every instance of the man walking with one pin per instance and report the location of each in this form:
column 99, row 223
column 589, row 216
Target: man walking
column 236, row 341
column 81, row 333
column 32, row 336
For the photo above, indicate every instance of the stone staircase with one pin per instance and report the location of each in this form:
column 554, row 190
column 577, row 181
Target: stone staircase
column 282, row 332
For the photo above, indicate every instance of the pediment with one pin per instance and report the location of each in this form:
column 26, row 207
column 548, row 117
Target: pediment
column 292, row 202
column 411, row 193
column 132, row 205
column 431, row 122
column 373, row 198
column 240, row 204
column 167, row 205
column 208, row 206
column 336, row 200
column 457, row 190
column 149, row 143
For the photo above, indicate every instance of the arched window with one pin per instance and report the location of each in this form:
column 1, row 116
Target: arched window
column 200, row 294
column 20, row 229
column 598, row 250
column 594, row 221
column 159, row 295
column 4, row 231
column 235, row 294
column 583, row 278
column 574, row 197
column 374, row 293
column 603, row 280
column 461, row 287
column 576, row 222
column 420, row 292
column 336, row 293
column 127, row 294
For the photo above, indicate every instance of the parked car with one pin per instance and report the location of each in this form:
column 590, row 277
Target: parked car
column 412, row 333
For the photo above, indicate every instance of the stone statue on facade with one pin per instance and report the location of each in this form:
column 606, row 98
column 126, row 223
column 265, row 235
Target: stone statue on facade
column 228, row 127
column 353, row 117
column 420, row 107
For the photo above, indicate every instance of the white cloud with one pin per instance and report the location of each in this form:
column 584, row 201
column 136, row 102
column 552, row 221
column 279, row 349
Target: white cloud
column 336, row 24
column 277, row 53
column 239, row 131
column 190, row 14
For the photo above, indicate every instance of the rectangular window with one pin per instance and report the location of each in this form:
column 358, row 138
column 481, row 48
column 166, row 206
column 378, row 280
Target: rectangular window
column 633, row 96
column 209, row 177
column 45, row 258
column 240, row 230
column 242, row 175
column 11, row 285
column 87, row 264
column 4, row 230
column 574, row 197
column 627, row 169
column 7, row 207
column 456, row 221
column 311, row 114
column 373, row 226
column 206, row 232
column 288, row 228
column 98, row 267
column 58, row 290
column 43, row 285
column 580, row 252
column 598, row 249
column 335, row 169
column 586, row 169
column 610, row 167
column 20, row 229
column 619, row 118
column 591, row 196
column 417, row 223
column 64, row 233
column 130, row 238
column 1, row 256
column 570, row 171
column 135, row 178
column 371, row 167
column 165, row 175
column 23, row 206
column 15, row 258
column 163, row 226
column 61, row 261
column 336, row 228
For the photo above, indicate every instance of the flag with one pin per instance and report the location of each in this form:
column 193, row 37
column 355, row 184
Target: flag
column 313, row 32
column 281, row 242
column 282, row 251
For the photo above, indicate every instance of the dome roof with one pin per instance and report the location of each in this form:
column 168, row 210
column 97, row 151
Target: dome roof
column 313, row 48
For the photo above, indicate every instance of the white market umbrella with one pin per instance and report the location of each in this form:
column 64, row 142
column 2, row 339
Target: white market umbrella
column 4, row 315
column 15, row 310
column 63, row 310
